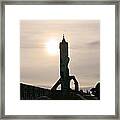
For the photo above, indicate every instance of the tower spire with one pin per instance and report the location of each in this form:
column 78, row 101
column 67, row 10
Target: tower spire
column 63, row 38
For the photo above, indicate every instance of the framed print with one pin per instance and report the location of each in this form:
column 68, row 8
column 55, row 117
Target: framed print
column 59, row 59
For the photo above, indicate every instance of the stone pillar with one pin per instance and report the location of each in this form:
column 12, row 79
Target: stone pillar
column 64, row 71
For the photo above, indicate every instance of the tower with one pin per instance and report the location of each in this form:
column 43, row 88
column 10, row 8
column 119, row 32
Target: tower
column 64, row 71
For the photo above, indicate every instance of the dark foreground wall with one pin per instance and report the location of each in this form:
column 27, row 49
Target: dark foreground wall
column 29, row 92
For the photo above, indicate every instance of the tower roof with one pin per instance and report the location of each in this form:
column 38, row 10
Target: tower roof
column 63, row 40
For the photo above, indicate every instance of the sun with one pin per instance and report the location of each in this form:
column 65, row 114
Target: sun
column 52, row 47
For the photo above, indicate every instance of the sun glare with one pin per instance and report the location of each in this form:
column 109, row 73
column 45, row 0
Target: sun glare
column 52, row 47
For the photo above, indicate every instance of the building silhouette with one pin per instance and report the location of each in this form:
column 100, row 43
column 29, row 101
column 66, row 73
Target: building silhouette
column 65, row 78
column 28, row 92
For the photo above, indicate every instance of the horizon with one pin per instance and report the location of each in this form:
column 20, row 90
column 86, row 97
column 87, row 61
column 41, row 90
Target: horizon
column 49, row 87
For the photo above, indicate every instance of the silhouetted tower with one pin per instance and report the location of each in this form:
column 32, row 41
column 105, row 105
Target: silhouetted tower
column 64, row 71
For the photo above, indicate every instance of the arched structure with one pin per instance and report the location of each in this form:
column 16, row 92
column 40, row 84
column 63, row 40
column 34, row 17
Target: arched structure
column 75, row 82
column 64, row 71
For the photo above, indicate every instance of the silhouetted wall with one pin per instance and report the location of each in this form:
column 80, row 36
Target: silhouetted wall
column 28, row 92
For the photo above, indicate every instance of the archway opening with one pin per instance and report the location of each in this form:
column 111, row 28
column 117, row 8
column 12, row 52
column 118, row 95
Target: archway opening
column 72, row 85
column 59, row 87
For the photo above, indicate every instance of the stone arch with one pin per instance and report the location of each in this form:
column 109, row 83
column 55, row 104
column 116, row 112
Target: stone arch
column 70, row 78
column 75, row 82
column 56, row 84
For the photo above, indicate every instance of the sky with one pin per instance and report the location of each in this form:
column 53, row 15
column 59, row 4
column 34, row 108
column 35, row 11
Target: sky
column 39, row 51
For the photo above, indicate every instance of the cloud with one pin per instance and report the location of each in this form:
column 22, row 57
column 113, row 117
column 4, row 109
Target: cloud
column 94, row 43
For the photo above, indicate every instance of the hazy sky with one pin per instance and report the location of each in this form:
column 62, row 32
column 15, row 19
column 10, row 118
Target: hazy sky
column 39, row 66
